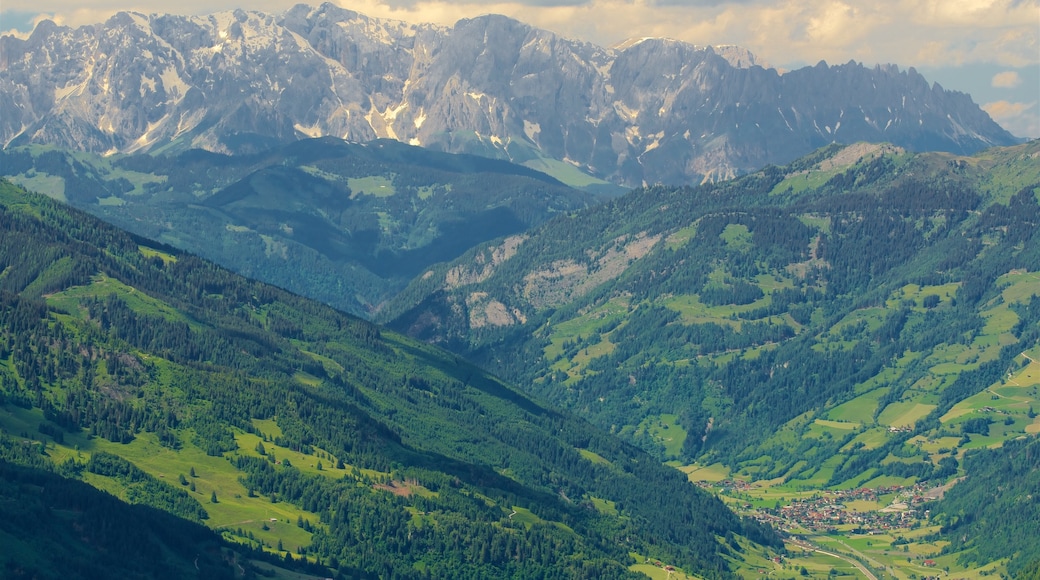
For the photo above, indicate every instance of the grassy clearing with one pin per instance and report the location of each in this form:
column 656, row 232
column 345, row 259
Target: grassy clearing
column 737, row 238
column 593, row 457
column 1021, row 286
column 804, row 181
column 234, row 508
column 248, row 445
column 141, row 181
column 1001, row 401
column 52, row 186
column 528, row 519
column 817, row 430
column 816, row 222
column 656, row 569
column 817, row 565
column 604, row 506
column 564, row 172
column 270, row 571
column 711, row 473
column 584, row 326
column 871, row 439
column 111, row 201
column 822, row 474
column 153, row 253
column 665, row 429
column 904, row 413
column 680, row 237
column 838, row 425
column 327, row 362
column 306, row 379
column 858, row 410
column 692, row 311
column 101, row 286
column 374, row 185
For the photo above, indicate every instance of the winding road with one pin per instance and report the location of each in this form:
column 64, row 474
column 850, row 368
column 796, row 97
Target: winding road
column 866, row 572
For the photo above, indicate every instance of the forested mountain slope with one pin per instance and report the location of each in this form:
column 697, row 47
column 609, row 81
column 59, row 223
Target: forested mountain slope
column 287, row 425
column 344, row 223
column 996, row 521
column 860, row 314
column 54, row 527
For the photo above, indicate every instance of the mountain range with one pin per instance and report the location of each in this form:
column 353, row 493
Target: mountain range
column 646, row 111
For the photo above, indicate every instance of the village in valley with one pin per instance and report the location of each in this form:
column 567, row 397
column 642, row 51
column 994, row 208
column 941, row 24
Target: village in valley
column 825, row 510
column 875, row 533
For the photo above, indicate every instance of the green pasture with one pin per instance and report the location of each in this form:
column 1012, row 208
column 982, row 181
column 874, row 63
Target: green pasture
column 770, row 283
column 737, row 238
column 666, row 430
column 111, row 201
column 681, row 237
column 564, row 172
column 327, row 362
column 816, row 222
column 1021, row 286
column 710, row 473
column 593, row 457
column 153, row 253
column 271, row 571
column 821, row 474
column 861, row 409
column 604, row 506
column 52, row 186
column 803, row 181
column 656, row 569
column 374, row 185
column 692, row 311
column 1004, row 179
column 528, row 519
column 101, row 286
column 870, row 438
column 904, row 413
column 998, row 402
column 916, row 293
column 818, row 430
column 585, row 325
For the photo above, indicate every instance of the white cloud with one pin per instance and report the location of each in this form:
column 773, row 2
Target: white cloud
column 1021, row 119
column 784, row 32
column 1006, row 80
column 907, row 32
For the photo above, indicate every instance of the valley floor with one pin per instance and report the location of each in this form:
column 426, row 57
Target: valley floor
column 880, row 533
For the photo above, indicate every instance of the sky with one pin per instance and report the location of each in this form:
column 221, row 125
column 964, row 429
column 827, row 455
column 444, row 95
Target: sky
column 986, row 48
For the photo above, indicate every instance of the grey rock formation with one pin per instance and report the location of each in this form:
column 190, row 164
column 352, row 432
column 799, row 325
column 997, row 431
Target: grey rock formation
column 646, row 111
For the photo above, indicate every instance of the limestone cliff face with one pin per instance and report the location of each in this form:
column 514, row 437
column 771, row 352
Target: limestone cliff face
column 646, row 111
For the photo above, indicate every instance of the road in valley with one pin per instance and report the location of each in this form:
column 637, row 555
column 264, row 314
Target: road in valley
column 866, row 572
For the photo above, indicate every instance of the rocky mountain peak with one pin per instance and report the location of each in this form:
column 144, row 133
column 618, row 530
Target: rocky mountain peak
column 648, row 110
